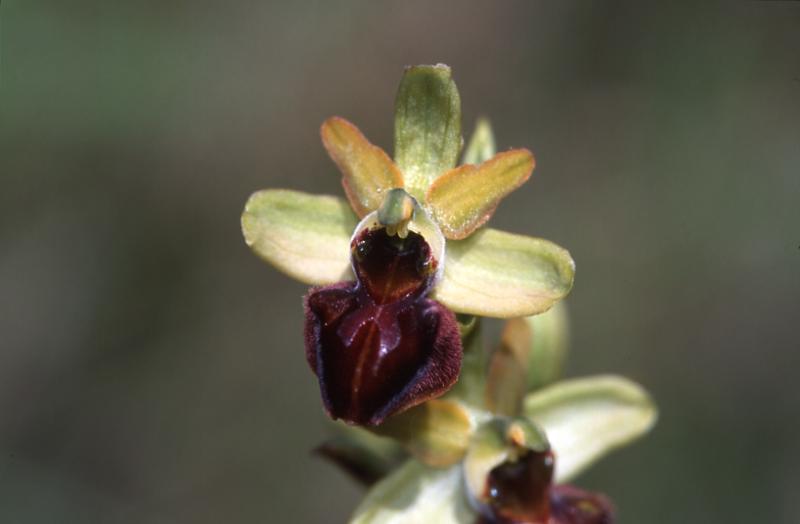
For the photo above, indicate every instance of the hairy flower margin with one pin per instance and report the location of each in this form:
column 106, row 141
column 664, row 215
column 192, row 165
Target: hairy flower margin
column 389, row 340
column 502, row 446
column 382, row 338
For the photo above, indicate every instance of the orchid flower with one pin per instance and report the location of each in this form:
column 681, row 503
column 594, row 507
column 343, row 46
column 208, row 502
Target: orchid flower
column 442, row 431
column 505, row 457
column 393, row 267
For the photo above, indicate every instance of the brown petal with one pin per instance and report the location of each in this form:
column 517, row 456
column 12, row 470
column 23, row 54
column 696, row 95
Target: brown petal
column 464, row 198
column 367, row 171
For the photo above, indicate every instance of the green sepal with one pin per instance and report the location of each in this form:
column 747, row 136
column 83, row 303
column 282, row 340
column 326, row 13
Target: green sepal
column 305, row 236
column 416, row 493
column 427, row 126
column 586, row 418
column 497, row 274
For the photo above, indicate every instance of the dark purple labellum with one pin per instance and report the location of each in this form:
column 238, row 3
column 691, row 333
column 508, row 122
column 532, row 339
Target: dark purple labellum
column 570, row 505
column 378, row 345
column 520, row 492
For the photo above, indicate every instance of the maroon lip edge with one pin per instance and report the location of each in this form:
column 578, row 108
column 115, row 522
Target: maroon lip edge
column 379, row 346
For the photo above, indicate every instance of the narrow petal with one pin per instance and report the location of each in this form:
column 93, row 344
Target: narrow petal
column 427, row 126
column 436, row 432
column 464, row 198
column 305, row 236
column 498, row 274
column 367, row 171
column 416, row 493
column 584, row 419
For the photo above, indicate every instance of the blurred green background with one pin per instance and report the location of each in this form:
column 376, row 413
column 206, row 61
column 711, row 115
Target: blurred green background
column 151, row 368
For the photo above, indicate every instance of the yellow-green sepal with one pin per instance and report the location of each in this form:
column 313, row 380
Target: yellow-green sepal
column 416, row 493
column 427, row 126
column 586, row 418
column 498, row 274
column 305, row 236
column 464, row 198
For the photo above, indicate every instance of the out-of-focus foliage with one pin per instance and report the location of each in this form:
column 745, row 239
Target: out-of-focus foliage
column 151, row 369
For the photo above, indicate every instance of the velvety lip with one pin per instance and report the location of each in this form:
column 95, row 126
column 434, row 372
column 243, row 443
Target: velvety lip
column 378, row 345
column 520, row 492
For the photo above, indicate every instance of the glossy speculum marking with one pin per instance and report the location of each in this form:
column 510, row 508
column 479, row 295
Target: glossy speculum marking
column 520, row 491
column 379, row 345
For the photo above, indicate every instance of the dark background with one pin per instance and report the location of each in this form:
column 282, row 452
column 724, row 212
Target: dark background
column 151, row 368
